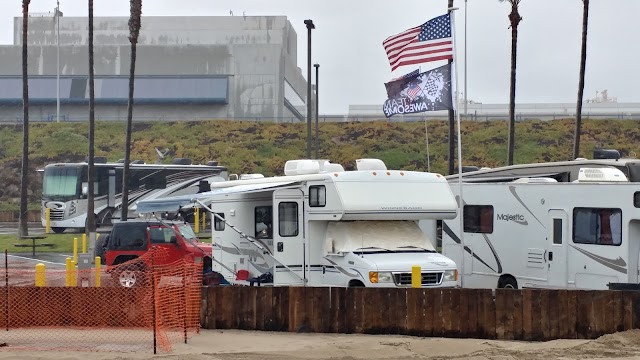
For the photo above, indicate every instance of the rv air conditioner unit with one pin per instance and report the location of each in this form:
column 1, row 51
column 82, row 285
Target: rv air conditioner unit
column 601, row 175
column 329, row 167
column 301, row 167
column 370, row 164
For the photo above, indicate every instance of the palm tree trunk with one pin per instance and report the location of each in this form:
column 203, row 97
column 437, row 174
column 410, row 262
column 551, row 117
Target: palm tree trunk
column 134, row 31
column 514, row 18
column 452, row 146
column 91, row 219
column 583, row 62
column 22, row 218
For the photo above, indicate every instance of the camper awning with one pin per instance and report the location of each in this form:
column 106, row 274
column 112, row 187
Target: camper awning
column 174, row 203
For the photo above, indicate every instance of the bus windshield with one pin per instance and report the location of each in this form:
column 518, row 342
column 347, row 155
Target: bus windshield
column 60, row 183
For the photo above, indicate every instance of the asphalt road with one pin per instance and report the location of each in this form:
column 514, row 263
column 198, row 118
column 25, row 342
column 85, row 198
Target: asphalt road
column 12, row 228
column 26, row 257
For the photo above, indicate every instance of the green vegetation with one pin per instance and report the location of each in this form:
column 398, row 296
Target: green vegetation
column 63, row 243
column 264, row 147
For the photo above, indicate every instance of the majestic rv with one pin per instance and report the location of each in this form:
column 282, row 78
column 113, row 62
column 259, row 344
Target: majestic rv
column 322, row 226
column 64, row 188
column 573, row 224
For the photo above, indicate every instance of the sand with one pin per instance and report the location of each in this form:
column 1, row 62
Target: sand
column 254, row 345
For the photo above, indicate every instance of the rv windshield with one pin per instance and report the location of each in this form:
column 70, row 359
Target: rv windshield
column 396, row 236
column 61, row 183
column 634, row 172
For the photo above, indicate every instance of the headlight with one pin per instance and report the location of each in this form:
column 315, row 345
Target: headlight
column 451, row 275
column 380, row 277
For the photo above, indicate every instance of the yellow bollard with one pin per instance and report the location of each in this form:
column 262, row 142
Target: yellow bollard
column 74, row 274
column 98, row 271
column 75, row 250
column 204, row 221
column 47, row 217
column 40, row 275
column 196, row 223
column 84, row 243
column 416, row 277
column 68, row 273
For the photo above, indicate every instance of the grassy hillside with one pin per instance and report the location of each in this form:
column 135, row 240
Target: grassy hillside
column 264, row 147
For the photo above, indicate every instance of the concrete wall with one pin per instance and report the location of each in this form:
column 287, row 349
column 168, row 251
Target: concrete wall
column 257, row 53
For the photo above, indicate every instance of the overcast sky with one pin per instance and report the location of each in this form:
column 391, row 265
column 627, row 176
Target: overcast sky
column 347, row 43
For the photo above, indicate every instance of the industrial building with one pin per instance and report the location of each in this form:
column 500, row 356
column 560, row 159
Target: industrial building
column 187, row 68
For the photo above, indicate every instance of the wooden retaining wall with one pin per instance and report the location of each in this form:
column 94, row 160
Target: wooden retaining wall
column 532, row 315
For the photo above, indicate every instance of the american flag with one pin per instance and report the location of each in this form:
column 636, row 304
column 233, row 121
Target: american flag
column 430, row 41
column 413, row 91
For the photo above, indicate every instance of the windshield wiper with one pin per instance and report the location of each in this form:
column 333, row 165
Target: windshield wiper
column 415, row 247
column 375, row 248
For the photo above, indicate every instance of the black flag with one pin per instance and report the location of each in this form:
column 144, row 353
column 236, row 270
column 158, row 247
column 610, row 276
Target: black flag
column 427, row 91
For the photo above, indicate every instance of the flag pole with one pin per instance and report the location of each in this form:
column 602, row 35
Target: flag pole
column 457, row 102
column 426, row 135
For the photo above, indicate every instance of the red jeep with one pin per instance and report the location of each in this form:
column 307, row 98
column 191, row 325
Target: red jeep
column 129, row 240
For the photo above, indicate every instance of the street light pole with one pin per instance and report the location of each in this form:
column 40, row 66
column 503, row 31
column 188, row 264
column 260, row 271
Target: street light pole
column 317, row 66
column 310, row 26
column 57, row 15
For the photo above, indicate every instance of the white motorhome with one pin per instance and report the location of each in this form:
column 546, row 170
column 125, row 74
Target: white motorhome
column 322, row 226
column 558, row 227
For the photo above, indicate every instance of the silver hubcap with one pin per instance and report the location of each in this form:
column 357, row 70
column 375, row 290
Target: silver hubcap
column 127, row 278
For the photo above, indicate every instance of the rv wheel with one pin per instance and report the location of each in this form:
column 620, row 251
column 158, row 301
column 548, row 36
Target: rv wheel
column 507, row 282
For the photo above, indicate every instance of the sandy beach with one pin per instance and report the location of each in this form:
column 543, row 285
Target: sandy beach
column 254, row 345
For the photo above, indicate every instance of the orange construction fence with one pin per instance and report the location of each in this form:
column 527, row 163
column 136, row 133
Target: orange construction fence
column 49, row 307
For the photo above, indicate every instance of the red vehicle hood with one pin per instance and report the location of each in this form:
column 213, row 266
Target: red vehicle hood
column 201, row 247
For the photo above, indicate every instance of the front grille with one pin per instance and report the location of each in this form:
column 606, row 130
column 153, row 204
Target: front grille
column 431, row 278
column 56, row 214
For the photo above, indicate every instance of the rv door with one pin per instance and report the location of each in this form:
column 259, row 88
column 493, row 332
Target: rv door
column 556, row 255
column 288, row 237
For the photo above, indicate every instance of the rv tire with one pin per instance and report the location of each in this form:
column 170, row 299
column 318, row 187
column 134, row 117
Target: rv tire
column 356, row 283
column 507, row 282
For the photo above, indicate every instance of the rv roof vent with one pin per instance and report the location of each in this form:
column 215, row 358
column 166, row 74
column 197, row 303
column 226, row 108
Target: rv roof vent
column 251, row 176
column 212, row 163
column 600, row 175
column 606, row 154
column 469, row 168
column 540, row 180
column 120, row 161
column 301, row 167
column 181, row 161
column 137, row 161
column 370, row 164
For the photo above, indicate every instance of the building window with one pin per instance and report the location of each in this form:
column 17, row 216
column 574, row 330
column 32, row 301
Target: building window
column 557, row 231
column 478, row 219
column 597, row 226
column 288, row 219
column 218, row 224
column 636, row 199
column 263, row 221
column 317, row 196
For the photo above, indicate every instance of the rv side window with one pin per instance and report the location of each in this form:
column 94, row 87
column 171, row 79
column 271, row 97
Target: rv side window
column 317, row 196
column 264, row 218
column 218, row 225
column 597, row 226
column 636, row 199
column 288, row 219
column 557, row 231
column 478, row 219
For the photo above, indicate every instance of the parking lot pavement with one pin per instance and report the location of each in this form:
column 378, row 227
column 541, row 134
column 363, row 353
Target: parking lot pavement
column 12, row 228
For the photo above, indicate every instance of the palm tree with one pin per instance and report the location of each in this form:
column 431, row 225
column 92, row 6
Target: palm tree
column 22, row 218
column 583, row 61
column 134, row 31
column 91, row 219
column 514, row 20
